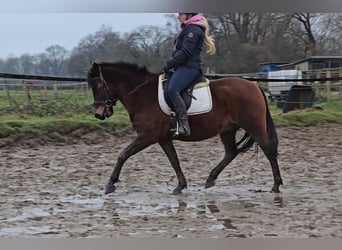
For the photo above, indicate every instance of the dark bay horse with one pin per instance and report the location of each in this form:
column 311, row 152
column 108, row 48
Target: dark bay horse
column 237, row 103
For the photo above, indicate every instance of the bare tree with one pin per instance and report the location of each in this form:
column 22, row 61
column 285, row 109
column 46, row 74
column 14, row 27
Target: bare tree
column 243, row 40
column 104, row 45
column 55, row 56
column 28, row 65
column 2, row 62
column 12, row 65
column 329, row 32
column 305, row 31
column 147, row 44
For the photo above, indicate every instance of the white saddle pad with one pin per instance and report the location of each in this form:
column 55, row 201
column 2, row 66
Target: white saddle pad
column 202, row 103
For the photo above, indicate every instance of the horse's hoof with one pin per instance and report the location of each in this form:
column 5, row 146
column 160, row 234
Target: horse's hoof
column 110, row 189
column 179, row 188
column 177, row 191
column 209, row 184
column 275, row 190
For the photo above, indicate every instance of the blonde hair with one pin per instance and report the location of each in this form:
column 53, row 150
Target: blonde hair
column 208, row 39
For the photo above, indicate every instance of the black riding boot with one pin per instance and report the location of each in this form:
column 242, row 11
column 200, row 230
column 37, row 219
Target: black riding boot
column 180, row 110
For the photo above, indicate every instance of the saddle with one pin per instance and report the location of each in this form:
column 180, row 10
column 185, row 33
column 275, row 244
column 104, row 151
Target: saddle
column 186, row 94
column 197, row 99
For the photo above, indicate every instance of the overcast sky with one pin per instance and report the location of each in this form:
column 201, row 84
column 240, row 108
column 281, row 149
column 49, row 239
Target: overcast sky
column 30, row 26
column 33, row 32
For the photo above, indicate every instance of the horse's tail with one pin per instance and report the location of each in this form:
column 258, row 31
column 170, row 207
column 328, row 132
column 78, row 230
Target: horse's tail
column 271, row 131
column 246, row 142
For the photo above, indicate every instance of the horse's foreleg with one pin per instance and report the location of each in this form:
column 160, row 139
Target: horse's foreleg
column 228, row 139
column 135, row 146
column 171, row 153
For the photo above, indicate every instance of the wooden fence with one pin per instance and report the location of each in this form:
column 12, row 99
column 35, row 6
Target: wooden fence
column 18, row 92
column 327, row 83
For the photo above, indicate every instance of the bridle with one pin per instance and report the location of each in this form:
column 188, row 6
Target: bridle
column 110, row 102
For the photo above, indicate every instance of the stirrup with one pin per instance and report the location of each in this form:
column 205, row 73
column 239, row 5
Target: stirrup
column 186, row 132
column 173, row 124
column 176, row 134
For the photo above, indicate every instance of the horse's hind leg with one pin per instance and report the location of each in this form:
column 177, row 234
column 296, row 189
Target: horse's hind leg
column 171, row 153
column 135, row 146
column 270, row 148
column 231, row 151
column 276, row 174
column 271, row 155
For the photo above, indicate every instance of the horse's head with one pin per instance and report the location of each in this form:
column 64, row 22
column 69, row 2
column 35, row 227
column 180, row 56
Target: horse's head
column 104, row 97
column 113, row 81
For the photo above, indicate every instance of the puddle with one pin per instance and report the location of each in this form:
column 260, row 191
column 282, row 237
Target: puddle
column 19, row 230
column 193, row 203
column 29, row 213
column 219, row 212
column 278, row 201
column 216, row 227
column 140, row 205
column 89, row 202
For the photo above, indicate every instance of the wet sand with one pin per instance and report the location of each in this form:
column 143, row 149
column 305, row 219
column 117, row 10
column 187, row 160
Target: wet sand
column 56, row 190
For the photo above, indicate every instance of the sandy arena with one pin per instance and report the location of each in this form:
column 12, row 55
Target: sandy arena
column 57, row 190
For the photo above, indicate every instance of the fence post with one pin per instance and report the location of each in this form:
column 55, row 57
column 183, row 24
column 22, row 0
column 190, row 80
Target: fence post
column 328, row 75
column 27, row 91
column 55, row 89
column 8, row 93
column 85, row 89
column 45, row 90
column 340, row 83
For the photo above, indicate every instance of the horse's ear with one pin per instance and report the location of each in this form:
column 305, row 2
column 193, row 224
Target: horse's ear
column 94, row 67
column 94, row 70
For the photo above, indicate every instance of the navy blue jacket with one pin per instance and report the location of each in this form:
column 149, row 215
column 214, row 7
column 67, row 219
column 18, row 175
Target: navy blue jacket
column 188, row 44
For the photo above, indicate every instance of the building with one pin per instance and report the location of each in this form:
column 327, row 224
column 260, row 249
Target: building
column 314, row 63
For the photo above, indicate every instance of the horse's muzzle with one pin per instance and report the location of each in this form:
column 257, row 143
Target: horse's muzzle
column 105, row 113
column 100, row 117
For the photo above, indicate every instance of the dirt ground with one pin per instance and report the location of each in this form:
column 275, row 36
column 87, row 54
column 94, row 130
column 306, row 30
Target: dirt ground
column 56, row 190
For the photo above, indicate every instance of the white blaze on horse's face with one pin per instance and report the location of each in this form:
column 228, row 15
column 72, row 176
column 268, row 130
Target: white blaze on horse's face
column 99, row 111
column 103, row 112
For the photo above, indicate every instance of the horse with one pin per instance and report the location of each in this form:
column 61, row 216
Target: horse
column 237, row 103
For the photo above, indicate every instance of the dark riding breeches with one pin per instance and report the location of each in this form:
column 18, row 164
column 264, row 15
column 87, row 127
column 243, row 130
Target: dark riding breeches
column 181, row 79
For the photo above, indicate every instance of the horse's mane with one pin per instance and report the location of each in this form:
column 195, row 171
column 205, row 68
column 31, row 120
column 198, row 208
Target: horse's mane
column 122, row 66
column 126, row 65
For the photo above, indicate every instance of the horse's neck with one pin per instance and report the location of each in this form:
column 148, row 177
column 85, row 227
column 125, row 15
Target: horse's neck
column 130, row 85
column 137, row 96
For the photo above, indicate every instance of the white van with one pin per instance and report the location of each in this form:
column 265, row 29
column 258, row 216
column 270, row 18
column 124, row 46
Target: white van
column 278, row 89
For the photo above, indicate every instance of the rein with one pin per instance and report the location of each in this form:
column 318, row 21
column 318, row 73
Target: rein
column 139, row 86
column 110, row 102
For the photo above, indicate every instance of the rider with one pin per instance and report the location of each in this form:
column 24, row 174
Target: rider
column 186, row 61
